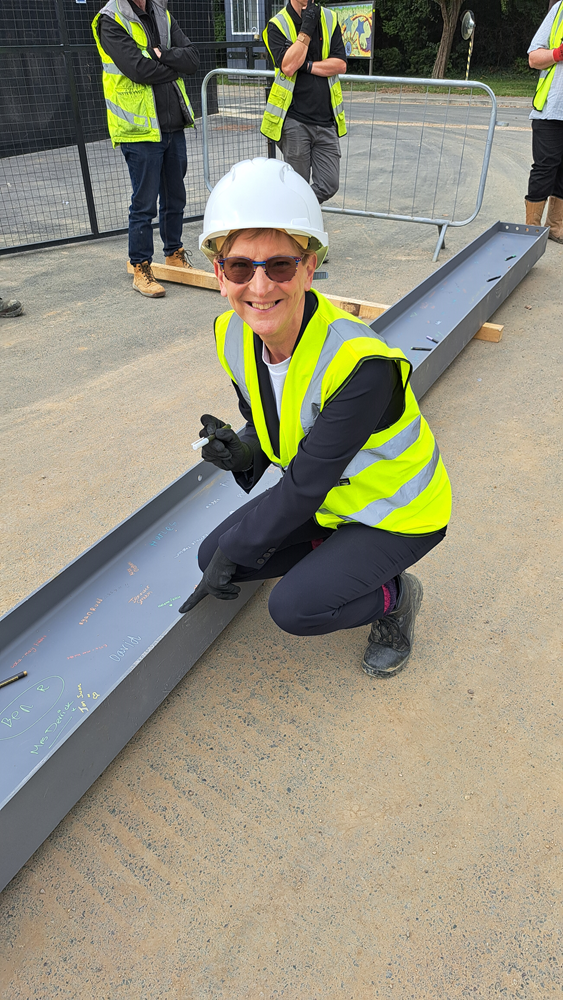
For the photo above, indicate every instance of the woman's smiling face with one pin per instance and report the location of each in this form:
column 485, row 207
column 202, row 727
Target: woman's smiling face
column 274, row 310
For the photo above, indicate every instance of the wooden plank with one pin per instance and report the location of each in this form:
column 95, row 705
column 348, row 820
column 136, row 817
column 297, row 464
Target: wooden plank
column 182, row 275
column 357, row 307
column 371, row 310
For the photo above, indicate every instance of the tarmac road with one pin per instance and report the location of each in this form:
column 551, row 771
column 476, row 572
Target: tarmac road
column 283, row 826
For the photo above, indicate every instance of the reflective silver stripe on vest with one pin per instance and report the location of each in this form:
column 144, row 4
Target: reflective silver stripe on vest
column 329, row 15
column 111, row 68
column 392, row 448
column 338, row 332
column 128, row 116
column 285, row 82
column 281, row 23
column 234, row 353
column 275, row 110
column 377, row 511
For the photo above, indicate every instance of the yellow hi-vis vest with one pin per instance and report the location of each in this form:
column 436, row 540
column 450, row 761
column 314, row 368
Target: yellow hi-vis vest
column 546, row 75
column 397, row 481
column 131, row 108
column 281, row 93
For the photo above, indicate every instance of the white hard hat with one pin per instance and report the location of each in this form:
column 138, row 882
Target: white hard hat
column 263, row 194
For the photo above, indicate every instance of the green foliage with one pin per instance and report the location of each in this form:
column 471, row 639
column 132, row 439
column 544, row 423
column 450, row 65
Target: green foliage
column 408, row 32
column 219, row 20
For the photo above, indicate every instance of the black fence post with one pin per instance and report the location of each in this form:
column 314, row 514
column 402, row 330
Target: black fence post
column 270, row 65
column 81, row 145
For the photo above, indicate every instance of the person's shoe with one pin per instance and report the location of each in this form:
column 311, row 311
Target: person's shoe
column 180, row 258
column 534, row 212
column 10, row 308
column 391, row 637
column 145, row 282
column 554, row 219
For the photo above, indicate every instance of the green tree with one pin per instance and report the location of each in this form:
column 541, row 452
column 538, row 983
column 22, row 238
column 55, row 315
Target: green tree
column 450, row 13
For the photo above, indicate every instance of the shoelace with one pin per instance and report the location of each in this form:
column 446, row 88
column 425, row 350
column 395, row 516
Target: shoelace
column 146, row 271
column 185, row 256
column 389, row 632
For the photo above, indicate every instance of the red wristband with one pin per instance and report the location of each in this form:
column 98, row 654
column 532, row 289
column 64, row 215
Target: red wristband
column 558, row 54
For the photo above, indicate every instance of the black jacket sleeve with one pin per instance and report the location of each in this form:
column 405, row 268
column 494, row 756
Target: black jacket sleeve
column 128, row 57
column 182, row 55
column 372, row 399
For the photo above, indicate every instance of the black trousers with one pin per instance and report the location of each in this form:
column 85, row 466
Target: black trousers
column 546, row 175
column 335, row 585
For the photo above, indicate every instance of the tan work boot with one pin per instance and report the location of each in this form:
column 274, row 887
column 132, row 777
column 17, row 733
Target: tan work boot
column 180, row 258
column 534, row 212
column 554, row 219
column 145, row 282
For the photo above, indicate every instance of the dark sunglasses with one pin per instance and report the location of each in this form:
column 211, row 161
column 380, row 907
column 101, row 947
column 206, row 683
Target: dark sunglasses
column 241, row 270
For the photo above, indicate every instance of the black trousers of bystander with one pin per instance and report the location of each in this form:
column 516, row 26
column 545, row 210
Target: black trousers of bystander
column 546, row 175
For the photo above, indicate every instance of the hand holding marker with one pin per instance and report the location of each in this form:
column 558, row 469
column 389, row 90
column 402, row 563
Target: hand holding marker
column 205, row 440
column 221, row 446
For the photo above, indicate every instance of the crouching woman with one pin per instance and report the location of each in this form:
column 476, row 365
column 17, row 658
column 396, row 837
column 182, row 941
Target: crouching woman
column 364, row 493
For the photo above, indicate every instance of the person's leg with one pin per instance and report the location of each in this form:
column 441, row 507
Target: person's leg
column 547, row 141
column 554, row 217
column 295, row 144
column 172, row 191
column 340, row 583
column 144, row 161
column 325, row 162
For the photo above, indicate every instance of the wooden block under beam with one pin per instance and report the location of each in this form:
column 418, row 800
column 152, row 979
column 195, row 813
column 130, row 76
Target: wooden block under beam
column 491, row 332
column 357, row 307
column 182, row 275
column 371, row 310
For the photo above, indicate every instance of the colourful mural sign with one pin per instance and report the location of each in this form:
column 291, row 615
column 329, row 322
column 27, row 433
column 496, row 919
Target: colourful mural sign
column 355, row 20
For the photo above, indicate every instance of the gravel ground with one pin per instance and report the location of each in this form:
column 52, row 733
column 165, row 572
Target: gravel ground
column 284, row 826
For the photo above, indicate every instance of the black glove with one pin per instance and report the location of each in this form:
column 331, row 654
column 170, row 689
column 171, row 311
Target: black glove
column 215, row 581
column 226, row 451
column 310, row 18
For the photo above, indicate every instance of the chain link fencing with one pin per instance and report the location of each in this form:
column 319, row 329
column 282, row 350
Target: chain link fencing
column 417, row 150
column 60, row 179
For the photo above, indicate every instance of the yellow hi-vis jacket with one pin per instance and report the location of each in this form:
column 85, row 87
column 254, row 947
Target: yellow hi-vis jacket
column 397, row 481
column 283, row 86
column 546, row 75
column 131, row 108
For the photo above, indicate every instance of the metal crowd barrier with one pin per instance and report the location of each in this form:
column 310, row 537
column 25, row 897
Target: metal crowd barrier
column 417, row 150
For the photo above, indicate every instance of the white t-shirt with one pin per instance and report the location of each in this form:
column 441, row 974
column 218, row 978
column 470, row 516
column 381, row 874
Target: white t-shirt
column 277, row 375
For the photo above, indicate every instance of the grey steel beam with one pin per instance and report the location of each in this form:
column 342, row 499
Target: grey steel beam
column 102, row 642
column 435, row 321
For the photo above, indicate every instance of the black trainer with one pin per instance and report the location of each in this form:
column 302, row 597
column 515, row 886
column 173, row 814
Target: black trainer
column 10, row 308
column 391, row 637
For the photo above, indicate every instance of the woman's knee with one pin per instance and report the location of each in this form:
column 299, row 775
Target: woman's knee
column 287, row 607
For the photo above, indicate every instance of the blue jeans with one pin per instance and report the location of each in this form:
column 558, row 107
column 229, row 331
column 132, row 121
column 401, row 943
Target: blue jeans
column 157, row 169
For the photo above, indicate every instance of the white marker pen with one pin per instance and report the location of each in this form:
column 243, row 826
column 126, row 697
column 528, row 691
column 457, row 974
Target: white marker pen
column 196, row 445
